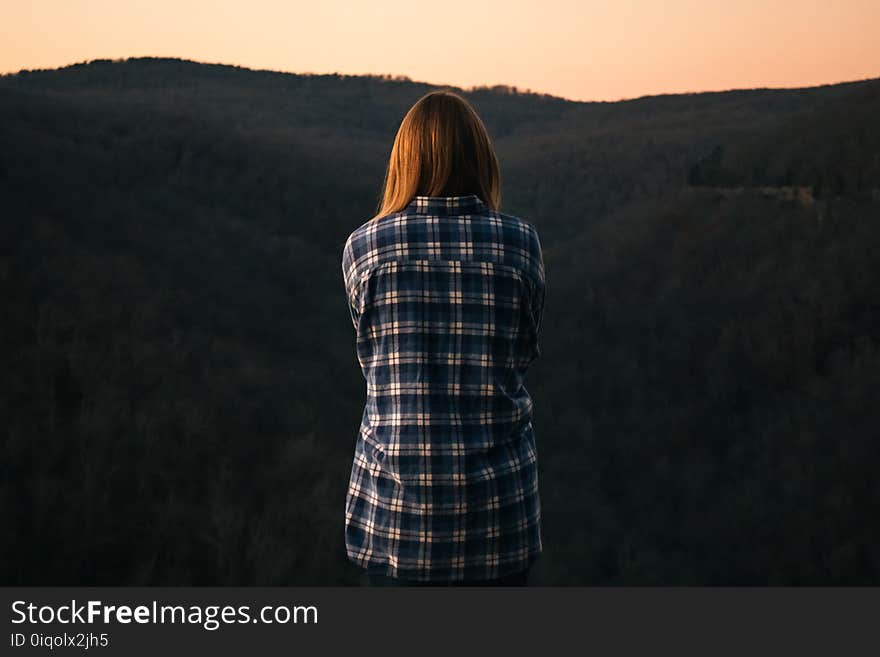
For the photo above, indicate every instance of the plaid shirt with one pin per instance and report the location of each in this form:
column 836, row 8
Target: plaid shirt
column 446, row 298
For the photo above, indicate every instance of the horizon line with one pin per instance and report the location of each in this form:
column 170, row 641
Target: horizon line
column 399, row 77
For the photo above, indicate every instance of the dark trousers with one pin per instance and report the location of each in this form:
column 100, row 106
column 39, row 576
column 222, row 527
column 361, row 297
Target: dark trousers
column 369, row 578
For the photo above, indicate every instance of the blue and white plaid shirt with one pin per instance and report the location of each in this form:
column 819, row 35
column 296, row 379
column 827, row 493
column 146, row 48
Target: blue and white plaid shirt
column 446, row 297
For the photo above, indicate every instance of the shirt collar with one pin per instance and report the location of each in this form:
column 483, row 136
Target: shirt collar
column 468, row 204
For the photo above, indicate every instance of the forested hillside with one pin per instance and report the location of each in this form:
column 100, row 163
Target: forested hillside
column 181, row 395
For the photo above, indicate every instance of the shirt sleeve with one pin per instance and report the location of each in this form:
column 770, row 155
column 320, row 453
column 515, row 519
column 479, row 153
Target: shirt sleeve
column 538, row 307
column 348, row 279
column 536, row 314
column 537, row 294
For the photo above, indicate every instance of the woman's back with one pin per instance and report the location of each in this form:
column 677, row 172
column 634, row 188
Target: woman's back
column 446, row 297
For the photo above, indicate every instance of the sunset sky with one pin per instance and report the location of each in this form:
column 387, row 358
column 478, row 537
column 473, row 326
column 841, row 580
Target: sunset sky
column 579, row 49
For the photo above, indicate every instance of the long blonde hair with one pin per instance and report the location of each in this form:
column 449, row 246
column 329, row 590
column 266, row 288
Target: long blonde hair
column 441, row 149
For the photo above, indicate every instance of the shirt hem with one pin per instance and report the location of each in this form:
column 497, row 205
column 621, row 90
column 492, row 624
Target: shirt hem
column 477, row 573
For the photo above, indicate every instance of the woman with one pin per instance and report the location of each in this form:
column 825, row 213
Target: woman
column 446, row 295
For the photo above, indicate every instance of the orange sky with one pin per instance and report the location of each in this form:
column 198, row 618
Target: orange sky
column 580, row 49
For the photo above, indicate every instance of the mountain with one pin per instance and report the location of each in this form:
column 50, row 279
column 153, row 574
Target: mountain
column 182, row 395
